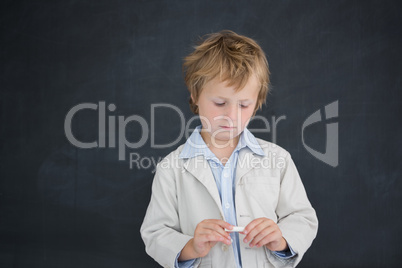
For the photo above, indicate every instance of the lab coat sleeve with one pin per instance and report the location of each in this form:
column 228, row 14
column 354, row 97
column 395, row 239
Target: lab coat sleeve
column 297, row 219
column 160, row 229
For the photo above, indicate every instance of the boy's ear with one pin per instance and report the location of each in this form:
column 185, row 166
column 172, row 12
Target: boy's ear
column 192, row 98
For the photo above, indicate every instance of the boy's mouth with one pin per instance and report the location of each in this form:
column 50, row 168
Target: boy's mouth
column 227, row 127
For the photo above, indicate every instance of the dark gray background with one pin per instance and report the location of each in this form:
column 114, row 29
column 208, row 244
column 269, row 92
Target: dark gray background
column 61, row 206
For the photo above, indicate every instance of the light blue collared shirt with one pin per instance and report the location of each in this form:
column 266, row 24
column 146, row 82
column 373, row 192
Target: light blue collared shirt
column 225, row 181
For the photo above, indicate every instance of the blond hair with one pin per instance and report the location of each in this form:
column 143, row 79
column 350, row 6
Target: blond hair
column 231, row 56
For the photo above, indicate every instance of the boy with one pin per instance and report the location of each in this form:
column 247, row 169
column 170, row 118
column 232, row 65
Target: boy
column 223, row 177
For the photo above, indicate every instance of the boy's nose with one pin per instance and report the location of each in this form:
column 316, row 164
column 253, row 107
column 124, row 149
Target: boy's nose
column 232, row 112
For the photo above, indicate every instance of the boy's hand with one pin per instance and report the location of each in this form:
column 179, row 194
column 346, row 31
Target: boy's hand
column 206, row 235
column 264, row 232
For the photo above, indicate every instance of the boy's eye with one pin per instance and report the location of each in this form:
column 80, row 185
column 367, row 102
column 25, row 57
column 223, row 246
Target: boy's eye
column 222, row 103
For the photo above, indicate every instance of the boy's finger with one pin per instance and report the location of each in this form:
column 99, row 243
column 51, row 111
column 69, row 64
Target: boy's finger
column 221, row 223
column 264, row 234
column 216, row 237
column 256, row 230
column 252, row 225
column 215, row 227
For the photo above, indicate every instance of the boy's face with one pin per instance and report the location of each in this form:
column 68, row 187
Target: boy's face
column 225, row 113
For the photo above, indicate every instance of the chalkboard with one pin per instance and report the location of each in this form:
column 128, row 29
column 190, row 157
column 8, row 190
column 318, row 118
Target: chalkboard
column 105, row 69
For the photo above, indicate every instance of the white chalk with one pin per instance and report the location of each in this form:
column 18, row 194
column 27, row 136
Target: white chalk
column 235, row 229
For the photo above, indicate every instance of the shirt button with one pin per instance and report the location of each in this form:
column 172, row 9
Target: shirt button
column 227, row 205
column 225, row 174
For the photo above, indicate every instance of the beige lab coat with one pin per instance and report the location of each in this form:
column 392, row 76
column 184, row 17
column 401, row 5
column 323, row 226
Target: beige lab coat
column 184, row 193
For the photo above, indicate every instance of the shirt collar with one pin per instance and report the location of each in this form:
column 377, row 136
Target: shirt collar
column 195, row 145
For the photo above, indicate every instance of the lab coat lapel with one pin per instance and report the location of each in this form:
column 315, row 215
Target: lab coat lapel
column 199, row 167
column 246, row 161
